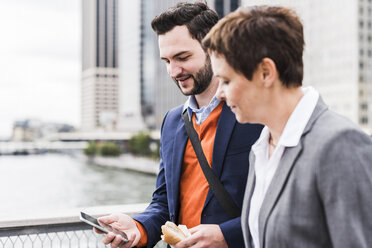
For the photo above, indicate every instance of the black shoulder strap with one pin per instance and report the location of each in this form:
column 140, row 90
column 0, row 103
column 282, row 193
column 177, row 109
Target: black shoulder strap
column 216, row 186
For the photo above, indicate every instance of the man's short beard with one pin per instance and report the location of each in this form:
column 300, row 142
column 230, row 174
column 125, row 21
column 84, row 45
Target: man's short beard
column 202, row 79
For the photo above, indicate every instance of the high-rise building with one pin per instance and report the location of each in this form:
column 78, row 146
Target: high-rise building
column 130, row 59
column 223, row 7
column 99, row 88
column 364, row 36
column 338, row 53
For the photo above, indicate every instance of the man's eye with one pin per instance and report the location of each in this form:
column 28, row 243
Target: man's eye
column 183, row 58
column 225, row 82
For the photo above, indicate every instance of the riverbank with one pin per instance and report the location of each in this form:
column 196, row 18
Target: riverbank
column 127, row 162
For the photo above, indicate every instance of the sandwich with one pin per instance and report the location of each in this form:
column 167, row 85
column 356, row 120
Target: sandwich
column 172, row 234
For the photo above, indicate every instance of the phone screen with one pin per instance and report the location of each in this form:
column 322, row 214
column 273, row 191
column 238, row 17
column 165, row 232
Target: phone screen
column 102, row 227
column 89, row 218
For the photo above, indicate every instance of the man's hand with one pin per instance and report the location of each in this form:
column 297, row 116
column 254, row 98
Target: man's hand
column 204, row 236
column 123, row 223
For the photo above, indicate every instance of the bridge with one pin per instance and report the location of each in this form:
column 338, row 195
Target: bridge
column 18, row 148
column 98, row 136
column 66, row 142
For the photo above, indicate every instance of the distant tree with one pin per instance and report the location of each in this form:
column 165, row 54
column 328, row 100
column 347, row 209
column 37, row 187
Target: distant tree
column 110, row 149
column 139, row 144
column 91, row 149
column 155, row 149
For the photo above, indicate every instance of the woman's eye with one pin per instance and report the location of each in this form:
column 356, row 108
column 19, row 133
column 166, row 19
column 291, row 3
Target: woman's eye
column 223, row 81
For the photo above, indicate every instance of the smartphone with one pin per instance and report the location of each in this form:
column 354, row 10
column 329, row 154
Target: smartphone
column 102, row 227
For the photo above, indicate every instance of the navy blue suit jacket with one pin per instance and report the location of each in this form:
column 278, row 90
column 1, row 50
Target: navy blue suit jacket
column 231, row 149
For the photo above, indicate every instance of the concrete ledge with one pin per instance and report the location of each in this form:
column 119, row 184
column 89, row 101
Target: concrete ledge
column 128, row 162
column 68, row 215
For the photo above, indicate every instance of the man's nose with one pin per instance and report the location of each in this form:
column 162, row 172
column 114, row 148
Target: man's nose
column 174, row 69
column 220, row 91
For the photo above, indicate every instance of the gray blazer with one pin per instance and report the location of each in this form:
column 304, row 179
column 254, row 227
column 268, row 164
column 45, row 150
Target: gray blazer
column 321, row 193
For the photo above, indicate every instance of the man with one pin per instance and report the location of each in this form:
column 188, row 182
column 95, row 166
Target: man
column 182, row 193
column 310, row 178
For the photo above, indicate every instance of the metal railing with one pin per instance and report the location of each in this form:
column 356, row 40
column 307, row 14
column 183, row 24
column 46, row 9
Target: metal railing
column 64, row 235
column 58, row 229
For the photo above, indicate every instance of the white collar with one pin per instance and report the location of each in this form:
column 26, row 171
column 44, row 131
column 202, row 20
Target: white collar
column 299, row 118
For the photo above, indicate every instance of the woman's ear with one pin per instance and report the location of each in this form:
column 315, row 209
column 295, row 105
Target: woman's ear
column 269, row 72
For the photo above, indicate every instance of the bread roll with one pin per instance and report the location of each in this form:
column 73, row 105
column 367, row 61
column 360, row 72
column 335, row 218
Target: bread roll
column 172, row 234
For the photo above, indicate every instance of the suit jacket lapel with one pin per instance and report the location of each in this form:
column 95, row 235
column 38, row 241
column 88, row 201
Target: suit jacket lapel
column 319, row 109
column 278, row 182
column 285, row 166
column 179, row 145
column 224, row 129
column 247, row 200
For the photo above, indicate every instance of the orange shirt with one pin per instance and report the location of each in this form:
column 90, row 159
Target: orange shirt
column 194, row 186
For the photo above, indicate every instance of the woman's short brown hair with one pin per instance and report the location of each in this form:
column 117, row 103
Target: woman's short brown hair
column 248, row 35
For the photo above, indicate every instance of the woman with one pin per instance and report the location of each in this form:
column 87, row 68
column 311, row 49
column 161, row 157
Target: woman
column 310, row 181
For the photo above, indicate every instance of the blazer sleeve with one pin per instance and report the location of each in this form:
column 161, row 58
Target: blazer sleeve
column 345, row 187
column 232, row 232
column 156, row 214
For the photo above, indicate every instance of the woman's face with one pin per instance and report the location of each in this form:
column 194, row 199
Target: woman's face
column 243, row 96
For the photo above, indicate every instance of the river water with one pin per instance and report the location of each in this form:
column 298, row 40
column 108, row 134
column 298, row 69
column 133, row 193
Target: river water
column 37, row 183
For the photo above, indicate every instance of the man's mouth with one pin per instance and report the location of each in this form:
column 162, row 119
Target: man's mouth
column 183, row 79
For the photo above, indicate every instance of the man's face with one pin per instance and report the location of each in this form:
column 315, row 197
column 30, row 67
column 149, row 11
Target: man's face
column 187, row 63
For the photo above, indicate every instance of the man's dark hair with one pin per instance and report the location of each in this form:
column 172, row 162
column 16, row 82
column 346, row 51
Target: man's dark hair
column 197, row 17
column 248, row 35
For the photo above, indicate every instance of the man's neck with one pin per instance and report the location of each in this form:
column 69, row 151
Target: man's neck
column 206, row 96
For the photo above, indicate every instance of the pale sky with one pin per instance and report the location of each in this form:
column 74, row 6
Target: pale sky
column 40, row 49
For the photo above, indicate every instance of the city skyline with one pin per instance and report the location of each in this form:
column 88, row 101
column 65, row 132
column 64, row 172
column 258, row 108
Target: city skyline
column 40, row 57
column 40, row 61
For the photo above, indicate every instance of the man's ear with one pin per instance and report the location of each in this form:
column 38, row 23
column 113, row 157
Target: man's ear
column 269, row 71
